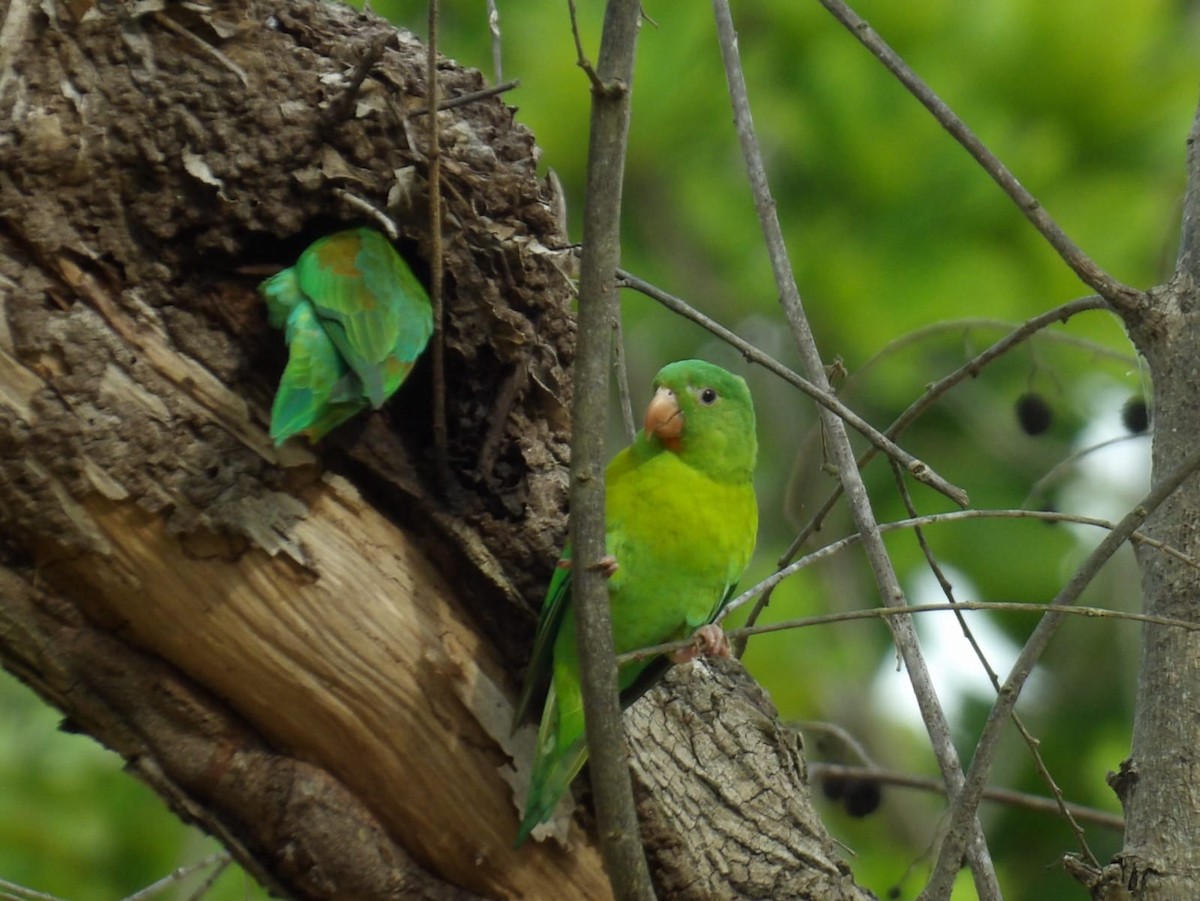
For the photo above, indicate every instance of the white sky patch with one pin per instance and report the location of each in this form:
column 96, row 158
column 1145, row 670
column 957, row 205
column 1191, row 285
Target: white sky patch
column 1109, row 481
column 957, row 673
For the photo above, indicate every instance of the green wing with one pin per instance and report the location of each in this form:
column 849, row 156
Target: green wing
column 374, row 309
column 317, row 391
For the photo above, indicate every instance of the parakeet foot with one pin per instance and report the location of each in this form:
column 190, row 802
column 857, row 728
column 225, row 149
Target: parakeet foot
column 607, row 566
column 707, row 641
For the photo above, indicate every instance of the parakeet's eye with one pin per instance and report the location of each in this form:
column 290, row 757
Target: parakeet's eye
column 708, row 396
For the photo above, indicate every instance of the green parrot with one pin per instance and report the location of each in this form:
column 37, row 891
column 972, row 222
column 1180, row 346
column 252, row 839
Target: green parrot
column 356, row 321
column 681, row 525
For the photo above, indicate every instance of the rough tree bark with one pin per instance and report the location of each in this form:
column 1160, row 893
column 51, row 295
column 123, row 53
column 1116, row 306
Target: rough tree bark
column 313, row 653
column 1159, row 785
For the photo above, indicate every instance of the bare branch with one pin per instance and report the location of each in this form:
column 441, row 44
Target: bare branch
column 220, row 859
column 972, row 323
column 341, row 108
column 372, row 212
column 842, row 453
column 965, row 805
column 1123, row 298
column 470, row 97
column 1059, row 469
column 1045, row 515
column 494, row 31
column 891, row 613
column 203, row 888
column 622, row 372
column 817, row 770
column 24, row 894
column 919, row 469
column 969, row 369
column 617, row 821
column 1030, row 742
column 170, row 24
column 581, row 59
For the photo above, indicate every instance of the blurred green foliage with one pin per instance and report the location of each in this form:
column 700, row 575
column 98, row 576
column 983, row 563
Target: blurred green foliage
column 74, row 825
column 892, row 230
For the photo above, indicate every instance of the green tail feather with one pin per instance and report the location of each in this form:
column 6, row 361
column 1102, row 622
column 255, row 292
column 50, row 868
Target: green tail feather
column 557, row 762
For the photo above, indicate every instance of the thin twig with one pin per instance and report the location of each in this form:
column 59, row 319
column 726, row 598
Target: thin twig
column 970, row 369
column 964, row 806
column 340, row 109
column 819, row 770
column 472, row 97
column 581, row 59
column 1062, row 466
column 821, row 394
column 617, row 824
column 494, row 31
column 170, row 24
column 940, row 575
column 623, row 379
column 380, row 218
column 210, row 880
column 839, row 734
column 441, row 441
column 26, row 894
column 929, row 519
column 1123, row 298
column 967, row 325
column 842, row 453
column 891, row 613
column 219, row 857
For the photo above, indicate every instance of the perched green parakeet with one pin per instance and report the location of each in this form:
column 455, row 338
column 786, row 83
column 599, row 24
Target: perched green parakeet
column 681, row 524
column 356, row 321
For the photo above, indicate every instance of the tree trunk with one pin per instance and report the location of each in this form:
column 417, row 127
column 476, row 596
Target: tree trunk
column 1159, row 785
column 313, row 653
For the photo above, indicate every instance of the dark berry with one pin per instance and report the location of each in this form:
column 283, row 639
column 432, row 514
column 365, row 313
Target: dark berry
column 833, row 787
column 1136, row 415
column 862, row 797
column 1033, row 413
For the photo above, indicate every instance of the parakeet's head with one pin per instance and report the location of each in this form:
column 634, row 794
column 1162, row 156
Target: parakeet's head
column 705, row 415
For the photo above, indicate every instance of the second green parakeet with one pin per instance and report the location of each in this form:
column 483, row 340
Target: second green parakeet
column 681, row 525
column 357, row 320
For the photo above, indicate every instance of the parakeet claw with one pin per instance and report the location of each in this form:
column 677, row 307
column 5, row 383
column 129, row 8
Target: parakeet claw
column 607, row 566
column 707, row 641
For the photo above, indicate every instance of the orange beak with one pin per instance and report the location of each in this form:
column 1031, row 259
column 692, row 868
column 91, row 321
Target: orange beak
column 664, row 419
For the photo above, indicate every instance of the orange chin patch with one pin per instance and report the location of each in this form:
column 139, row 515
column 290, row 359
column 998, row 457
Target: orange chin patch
column 664, row 419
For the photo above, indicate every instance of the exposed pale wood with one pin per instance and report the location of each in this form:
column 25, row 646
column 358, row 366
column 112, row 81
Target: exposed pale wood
column 298, row 829
column 360, row 661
